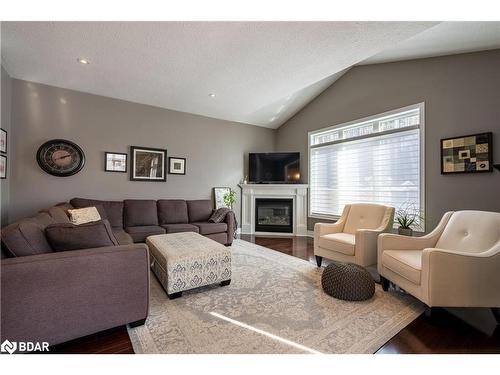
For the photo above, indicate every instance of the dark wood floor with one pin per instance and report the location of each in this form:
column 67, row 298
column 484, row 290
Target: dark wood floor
column 444, row 333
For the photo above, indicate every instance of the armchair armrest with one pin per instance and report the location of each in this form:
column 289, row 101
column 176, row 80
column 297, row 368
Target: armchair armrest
column 60, row 296
column 458, row 278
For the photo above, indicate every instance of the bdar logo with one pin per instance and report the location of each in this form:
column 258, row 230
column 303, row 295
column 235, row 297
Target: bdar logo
column 8, row 346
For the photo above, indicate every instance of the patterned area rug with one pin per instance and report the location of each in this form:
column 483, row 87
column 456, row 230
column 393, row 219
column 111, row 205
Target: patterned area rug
column 274, row 304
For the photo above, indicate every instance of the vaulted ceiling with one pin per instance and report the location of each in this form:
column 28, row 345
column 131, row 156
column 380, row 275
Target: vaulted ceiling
column 258, row 73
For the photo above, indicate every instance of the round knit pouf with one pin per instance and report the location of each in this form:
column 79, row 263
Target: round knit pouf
column 347, row 281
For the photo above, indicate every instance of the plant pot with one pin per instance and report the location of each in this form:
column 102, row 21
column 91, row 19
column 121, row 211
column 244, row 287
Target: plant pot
column 405, row 231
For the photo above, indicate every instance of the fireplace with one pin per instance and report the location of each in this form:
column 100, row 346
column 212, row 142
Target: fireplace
column 274, row 215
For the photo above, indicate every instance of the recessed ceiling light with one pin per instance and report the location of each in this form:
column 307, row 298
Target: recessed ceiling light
column 212, row 95
column 83, row 61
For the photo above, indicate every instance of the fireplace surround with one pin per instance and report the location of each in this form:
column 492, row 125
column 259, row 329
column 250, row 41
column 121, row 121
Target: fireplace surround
column 274, row 195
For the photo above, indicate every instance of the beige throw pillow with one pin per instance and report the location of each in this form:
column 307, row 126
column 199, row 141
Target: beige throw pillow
column 84, row 215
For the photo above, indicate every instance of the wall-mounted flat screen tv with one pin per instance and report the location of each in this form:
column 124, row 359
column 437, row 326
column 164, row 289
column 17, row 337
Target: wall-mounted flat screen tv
column 274, row 167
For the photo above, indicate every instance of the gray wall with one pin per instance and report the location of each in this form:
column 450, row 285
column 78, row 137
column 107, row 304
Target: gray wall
column 214, row 149
column 461, row 95
column 6, row 96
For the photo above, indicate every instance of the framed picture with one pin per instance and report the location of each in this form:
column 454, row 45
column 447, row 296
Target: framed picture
column 3, row 141
column 3, row 166
column 148, row 164
column 467, row 154
column 219, row 193
column 176, row 165
column 115, row 162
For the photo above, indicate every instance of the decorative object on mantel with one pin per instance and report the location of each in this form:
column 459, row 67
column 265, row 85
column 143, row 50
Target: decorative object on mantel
column 3, row 167
column 409, row 217
column 467, row 154
column 219, row 194
column 60, row 157
column 3, row 141
column 176, row 165
column 148, row 164
column 115, row 162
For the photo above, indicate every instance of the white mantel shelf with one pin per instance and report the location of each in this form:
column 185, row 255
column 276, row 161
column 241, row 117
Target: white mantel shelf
column 297, row 192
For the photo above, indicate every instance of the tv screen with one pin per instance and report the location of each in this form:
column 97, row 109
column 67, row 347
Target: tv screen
column 274, row 167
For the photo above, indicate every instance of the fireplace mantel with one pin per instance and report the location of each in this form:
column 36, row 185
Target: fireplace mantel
column 297, row 192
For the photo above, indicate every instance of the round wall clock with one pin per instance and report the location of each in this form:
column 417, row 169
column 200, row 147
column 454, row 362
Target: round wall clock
column 60, row 157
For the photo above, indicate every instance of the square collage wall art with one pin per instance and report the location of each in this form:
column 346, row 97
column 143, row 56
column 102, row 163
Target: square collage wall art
column 467, row 154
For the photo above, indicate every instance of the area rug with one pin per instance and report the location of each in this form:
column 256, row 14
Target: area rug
column 274, row 304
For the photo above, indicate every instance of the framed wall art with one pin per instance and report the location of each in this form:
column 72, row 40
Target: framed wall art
column 3, row 166
column 176, row 165
column 219, row 193
column 148, row 164
column 115, row 162
column 3, row 141
column 467, row 154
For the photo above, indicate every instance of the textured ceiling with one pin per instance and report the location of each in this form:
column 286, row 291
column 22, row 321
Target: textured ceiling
column 261, row 72
column 446, row 38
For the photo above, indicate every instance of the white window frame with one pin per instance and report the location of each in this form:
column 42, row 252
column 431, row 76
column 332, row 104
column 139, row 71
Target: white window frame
column 420, row 106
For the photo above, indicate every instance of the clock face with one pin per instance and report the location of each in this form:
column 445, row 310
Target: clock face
column 61, row 158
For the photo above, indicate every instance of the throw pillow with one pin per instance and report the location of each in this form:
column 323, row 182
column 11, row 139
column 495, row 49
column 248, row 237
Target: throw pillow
column 67, row 236
column 219, row 215
column 84, row 215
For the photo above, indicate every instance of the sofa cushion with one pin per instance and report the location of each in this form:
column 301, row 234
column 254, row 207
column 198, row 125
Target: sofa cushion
column 176, row 228
column 113, row 209
column 57, row 213
column 139, row 212
column 122, row 237
column 199, row 210
column 406, row 263
column 67, row 236
column 340, row 242
column 210, row 228
column 44, row 219
column 140, row 233
column 172, row 211
column 25, row 238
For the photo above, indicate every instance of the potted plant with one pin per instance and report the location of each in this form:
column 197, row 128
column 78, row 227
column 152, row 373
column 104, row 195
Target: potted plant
column 229, row 198
column 408, row 217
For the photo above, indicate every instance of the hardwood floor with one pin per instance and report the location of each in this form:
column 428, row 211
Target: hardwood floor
column 443, row 333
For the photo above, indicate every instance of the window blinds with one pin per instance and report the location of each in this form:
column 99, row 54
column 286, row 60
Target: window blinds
column 371, row 162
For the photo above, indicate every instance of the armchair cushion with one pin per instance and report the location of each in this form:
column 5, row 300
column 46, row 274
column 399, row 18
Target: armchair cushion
column 364, row 216
column 340, row 242
column 470, row 231
column 406, row 263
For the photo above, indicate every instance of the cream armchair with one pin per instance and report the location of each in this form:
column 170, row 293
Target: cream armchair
column 353, row 238
column 456, row 265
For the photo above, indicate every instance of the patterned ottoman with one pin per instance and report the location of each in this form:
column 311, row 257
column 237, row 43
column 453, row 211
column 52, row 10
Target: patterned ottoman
column 183, row 261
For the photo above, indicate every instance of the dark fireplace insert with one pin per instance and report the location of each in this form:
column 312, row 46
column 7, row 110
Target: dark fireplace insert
column 274, row 215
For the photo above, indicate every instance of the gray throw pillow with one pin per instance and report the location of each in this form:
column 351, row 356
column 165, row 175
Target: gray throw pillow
column 67, row 236
column 219, row 215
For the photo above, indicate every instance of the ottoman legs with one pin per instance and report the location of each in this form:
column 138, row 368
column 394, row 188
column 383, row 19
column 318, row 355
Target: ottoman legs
column 225, row 282
column 174, row 295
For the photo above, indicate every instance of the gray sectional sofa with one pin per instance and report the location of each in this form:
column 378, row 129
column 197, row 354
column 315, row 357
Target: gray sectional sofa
column 56, row 296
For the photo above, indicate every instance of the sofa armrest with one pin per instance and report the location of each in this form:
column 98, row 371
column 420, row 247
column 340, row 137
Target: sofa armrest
column 462, row 279
column 61, row 296
column 230, row 220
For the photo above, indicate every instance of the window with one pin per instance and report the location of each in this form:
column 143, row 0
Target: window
column 374, row 160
